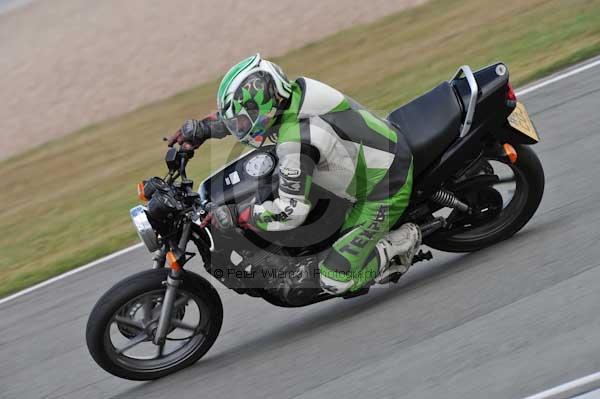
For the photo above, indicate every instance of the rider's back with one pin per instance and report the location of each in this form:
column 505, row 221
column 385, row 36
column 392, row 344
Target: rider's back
column 356, row 147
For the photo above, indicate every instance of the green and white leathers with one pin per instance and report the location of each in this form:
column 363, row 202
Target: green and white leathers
column 327, row 139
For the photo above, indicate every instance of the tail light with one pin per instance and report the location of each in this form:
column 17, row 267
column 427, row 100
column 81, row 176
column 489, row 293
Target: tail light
column 510, row 93
column 511, row 97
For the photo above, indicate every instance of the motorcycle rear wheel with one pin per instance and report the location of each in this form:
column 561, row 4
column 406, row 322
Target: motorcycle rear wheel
column 529, row 179
column 115, row 318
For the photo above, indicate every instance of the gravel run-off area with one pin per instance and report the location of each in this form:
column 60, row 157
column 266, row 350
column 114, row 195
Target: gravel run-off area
column 68, row 63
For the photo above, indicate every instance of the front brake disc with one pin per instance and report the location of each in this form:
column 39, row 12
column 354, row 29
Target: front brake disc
column 131, row 310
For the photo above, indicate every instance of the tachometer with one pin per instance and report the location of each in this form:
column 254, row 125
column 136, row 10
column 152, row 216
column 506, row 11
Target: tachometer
column 259, row 165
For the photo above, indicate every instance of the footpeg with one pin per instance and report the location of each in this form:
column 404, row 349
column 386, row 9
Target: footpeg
column 421, row 256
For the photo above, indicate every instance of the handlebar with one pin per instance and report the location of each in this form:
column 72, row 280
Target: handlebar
column 176, row 160
column 184, row 157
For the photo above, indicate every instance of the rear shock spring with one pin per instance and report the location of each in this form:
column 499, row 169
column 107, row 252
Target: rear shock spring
column 448, row 199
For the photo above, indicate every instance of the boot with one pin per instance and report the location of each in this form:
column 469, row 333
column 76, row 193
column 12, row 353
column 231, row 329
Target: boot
column 403, row 243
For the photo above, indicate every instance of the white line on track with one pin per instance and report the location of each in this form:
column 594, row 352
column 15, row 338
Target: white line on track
column 570, row 389
column 560, row 76
column 528, row 89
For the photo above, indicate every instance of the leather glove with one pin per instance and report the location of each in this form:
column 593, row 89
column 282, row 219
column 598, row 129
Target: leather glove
column 191, row 135
column 226, row 217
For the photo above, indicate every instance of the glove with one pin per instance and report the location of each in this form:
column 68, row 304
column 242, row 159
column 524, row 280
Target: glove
column 226, row 217
column 191, row 135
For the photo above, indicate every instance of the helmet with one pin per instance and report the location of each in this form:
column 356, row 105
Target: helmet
column 249, row 97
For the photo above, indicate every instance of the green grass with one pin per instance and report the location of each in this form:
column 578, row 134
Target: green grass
column 66, row 203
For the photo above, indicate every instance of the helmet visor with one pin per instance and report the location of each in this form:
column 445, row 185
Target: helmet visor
column 239, row 125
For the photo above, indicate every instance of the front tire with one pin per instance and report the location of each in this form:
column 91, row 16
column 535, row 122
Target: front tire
column 529, row 176
column 119, row 302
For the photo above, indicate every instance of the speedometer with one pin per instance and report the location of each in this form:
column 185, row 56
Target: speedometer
column 259, row 165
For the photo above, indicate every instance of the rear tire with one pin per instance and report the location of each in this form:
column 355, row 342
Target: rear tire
column 109, row 304
column 529, row 169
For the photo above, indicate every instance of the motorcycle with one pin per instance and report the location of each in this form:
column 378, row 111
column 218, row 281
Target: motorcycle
column 476, row 182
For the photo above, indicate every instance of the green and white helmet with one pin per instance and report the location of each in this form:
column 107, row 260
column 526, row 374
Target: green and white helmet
column 249, row 96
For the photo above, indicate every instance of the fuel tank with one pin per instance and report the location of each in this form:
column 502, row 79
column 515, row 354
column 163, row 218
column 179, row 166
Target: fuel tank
column 253, row 178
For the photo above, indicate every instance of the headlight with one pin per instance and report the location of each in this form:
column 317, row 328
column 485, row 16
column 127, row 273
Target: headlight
column 144, row 228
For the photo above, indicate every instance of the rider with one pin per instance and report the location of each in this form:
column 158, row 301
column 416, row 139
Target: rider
column 325, row 138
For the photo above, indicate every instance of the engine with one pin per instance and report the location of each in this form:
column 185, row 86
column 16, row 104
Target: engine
column 273, row 274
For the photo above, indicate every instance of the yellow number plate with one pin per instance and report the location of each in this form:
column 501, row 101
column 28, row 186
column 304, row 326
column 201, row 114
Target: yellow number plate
column 520, row 120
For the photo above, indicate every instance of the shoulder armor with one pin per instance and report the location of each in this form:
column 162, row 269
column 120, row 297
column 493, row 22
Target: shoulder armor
column 319, row 98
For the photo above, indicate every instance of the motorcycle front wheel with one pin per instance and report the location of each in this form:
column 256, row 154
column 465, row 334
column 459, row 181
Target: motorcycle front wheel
column 121, row 327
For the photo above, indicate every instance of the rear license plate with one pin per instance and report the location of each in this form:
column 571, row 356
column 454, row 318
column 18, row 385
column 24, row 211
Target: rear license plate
column 520, row 120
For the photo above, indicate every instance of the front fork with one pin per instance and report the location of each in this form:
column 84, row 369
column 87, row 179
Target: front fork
column 159, row 258
column 164, row 322
column 172, row 283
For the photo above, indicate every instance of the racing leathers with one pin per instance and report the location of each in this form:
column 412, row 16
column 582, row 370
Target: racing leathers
column 325, row 138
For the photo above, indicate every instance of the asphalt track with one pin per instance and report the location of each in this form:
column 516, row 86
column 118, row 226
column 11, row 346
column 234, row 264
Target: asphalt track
column 505, row 322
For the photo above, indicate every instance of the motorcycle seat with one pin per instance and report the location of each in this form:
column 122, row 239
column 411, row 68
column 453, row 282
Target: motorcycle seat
column 430, row 124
